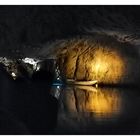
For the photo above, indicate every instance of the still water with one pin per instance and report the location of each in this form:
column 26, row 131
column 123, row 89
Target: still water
column 90, row 110
column 35, row 108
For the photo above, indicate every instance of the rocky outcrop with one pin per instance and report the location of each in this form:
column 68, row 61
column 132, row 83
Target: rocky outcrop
column 100, row 58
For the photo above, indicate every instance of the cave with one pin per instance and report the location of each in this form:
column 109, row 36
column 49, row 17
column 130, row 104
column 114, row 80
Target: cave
column 69, row 70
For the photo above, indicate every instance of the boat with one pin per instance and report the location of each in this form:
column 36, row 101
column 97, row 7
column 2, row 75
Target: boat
column 83, row 83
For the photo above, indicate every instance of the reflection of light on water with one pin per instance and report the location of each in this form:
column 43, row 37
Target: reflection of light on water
column 56, row 90
column 86, row 108
column 102, row 103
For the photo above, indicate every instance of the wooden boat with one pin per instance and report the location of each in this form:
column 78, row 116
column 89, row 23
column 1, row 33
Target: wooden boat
column 84, row 83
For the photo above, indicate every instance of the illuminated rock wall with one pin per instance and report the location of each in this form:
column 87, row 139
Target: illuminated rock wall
column 99, row 58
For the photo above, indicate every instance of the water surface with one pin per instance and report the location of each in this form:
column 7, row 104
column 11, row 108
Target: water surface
column 90, row 110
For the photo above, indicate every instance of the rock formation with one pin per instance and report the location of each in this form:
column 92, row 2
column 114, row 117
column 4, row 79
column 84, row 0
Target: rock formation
column 100, row 58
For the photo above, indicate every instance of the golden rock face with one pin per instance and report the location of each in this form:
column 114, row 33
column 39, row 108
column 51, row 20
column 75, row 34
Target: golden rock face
column 106, row 66
column 105, row 60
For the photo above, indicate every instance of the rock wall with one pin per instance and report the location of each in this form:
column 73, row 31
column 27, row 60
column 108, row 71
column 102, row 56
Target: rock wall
column 100, row 58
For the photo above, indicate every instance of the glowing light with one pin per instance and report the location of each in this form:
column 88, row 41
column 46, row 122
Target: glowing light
column 37, row 67
column 13, row 75
column 58, row 87
column 107, row 66
column 96, row 85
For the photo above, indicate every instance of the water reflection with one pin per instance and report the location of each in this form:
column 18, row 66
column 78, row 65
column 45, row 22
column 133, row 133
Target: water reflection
column 99, row 102
column 102, row 102
column 90, row 110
